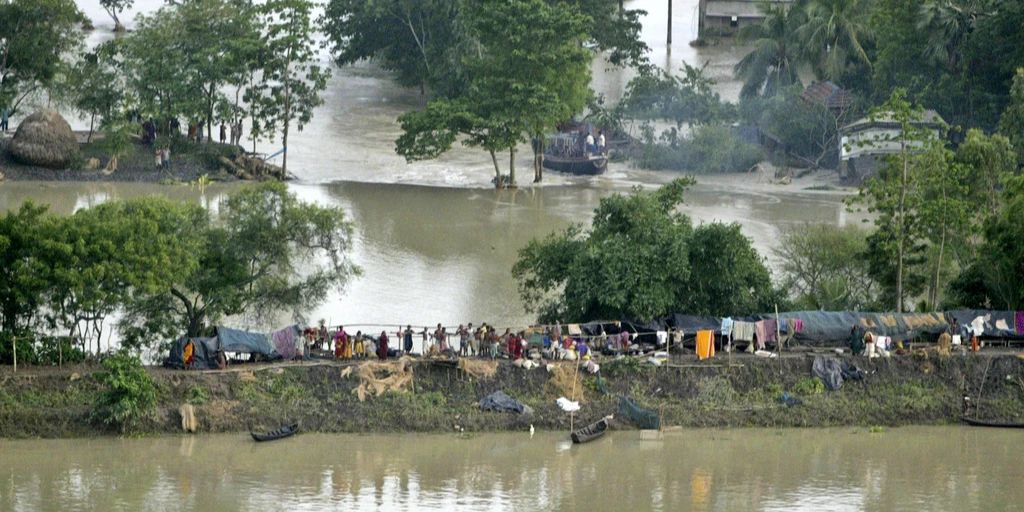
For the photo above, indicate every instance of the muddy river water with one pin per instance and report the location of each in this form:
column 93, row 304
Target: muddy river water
column 915, row 468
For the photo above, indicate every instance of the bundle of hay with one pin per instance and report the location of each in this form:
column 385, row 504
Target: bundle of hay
column 44, row 139
column 377, row 378
column 479, row 369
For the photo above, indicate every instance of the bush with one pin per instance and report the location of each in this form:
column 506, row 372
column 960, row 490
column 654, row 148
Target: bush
column 809, row 386
column 130, row 394
column 709, row 149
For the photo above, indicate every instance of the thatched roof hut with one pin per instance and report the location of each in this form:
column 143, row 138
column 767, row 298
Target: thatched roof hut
column 44, row 139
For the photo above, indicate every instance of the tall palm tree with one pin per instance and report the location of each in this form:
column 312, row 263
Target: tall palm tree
column 948, row 24
column 772, row 64
column 834, row 36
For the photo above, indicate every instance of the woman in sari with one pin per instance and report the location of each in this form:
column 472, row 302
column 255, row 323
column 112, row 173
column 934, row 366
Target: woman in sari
column 382, row 346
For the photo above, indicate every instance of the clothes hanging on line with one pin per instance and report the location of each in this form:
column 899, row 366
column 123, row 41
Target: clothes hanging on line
column 705, row 344
column 727, row 326
column 743, row 331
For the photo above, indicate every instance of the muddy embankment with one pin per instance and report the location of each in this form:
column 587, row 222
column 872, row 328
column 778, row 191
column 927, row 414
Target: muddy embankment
column 441, row 397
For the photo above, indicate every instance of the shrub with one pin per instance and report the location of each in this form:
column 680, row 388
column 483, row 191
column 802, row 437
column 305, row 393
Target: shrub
column 809, row 386
column 197, row 395
column 709, row 149
column 130, row 394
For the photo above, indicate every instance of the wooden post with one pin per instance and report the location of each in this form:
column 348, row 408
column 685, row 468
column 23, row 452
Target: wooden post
column 778, row 337
column 668, row 43
column 14, row 343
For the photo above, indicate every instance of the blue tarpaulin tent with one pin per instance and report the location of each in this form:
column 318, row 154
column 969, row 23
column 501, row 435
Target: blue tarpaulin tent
column 238, row 341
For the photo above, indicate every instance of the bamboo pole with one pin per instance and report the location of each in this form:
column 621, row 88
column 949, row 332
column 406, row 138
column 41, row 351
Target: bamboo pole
column 14, row 343
column 572, row 398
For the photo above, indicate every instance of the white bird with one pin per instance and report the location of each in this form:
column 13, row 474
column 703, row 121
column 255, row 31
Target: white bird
column 531, row 431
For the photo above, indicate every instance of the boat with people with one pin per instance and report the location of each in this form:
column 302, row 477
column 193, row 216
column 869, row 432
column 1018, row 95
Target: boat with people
column 592, row 431
column 568, row 152
column 274, row 435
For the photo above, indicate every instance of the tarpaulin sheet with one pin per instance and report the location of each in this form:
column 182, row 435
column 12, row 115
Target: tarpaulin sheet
column 997, row 324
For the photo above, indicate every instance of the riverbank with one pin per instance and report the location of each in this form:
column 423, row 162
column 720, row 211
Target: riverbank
column 189, row 163
column 323, row 396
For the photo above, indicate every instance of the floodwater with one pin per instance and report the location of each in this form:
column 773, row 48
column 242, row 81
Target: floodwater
column 436, row 242
column 921, row 468
column 443, row 254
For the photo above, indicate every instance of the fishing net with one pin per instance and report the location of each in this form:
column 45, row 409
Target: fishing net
column 646, row 419
column 643, row 418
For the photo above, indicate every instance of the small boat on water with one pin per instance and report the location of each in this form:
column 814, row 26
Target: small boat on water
column 281, row 433
column 565, row 152
column 986, row 423
column 592, row 431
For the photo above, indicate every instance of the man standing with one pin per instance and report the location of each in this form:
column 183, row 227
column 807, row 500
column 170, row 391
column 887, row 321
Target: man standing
column 407, row 339
column 590, row 143
column 223, row 132
column 4, row 120
column 600, row 142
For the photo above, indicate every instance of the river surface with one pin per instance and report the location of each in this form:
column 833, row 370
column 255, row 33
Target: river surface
column 919, row 468
column 434, row 239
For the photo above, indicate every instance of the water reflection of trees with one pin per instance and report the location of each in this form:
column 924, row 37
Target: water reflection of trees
column 696, row 470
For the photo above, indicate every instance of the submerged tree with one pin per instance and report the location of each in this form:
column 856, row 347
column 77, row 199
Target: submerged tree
column 527, row 76
column 290, row 78
column 114, row 8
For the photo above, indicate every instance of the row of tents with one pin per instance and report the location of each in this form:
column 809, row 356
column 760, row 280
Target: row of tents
column 833, row 327
column 818, row 328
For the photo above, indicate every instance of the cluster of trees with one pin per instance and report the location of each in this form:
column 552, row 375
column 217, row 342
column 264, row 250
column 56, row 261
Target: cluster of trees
column 643, row 259
column 498, row 73
column 945, row 224
column 202, row 61
column 166, row 269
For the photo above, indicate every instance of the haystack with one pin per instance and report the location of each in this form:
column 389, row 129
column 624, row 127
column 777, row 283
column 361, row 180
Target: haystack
column 44, row 139
column 479, row 369
column 379, row 377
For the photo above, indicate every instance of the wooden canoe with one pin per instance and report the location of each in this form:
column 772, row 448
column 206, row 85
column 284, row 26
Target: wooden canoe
column 281, row 433
column 591, row 432
column 986, row 423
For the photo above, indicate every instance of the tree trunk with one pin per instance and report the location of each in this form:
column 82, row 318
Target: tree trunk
column 901, row 226
column 92, row 122
column 538, row 159
column 938, row 269
column 497, row 171
column 511, row 167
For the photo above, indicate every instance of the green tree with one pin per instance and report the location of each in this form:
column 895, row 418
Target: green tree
column 422, row 41
column 527, row 76
column 97, row 85
column 945, row 212
column 825, row 268
column 894, row 195
column 727, row 275
column 995, row 278
column 103, row 257
column 772, row 64
column 290, row 76
column 689, row 98
column 265, row 252
column 632, row 263
column 129, row 396
column 989, row 160
column 1011, row 123
column 37, row 36
column 24, row 273
column 834, row 35
column 155, row 64
column 113, row 8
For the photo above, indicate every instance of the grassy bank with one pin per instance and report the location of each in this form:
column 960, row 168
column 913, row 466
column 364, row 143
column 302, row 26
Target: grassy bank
column 189, row 162
column 51, row 402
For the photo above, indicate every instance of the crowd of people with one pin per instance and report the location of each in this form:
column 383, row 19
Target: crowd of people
column 467, row 340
